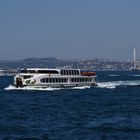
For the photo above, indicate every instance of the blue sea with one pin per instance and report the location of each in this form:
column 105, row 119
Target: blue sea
column 110, row 111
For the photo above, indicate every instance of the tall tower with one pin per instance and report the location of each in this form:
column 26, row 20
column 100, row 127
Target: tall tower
column 134, row 59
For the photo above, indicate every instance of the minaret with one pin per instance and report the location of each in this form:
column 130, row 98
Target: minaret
column 134, row 59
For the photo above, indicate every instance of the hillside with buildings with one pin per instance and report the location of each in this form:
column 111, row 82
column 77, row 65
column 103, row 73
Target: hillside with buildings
column 95, row 64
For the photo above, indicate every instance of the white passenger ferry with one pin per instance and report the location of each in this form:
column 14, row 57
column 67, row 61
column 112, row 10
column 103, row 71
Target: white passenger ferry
column 40, row 77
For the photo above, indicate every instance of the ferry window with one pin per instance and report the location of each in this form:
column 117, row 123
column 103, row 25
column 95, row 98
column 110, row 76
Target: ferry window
column 70, row 72
column 72, row 80
column 47, row 71
column 90, row 79
column 26, row 77
column 50, row 80
column 56, row 80
column 74, row 72
column 61, row 80
column 78, row 79
column 77, row 72
column 53, row 80
column 62, row 72
column 28, row 71
column 83, row 79
column 24, row 71
column 65, row 80
column 42, row 80
column 31, row 71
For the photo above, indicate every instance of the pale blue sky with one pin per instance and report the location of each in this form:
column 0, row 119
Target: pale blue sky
column 69, row 28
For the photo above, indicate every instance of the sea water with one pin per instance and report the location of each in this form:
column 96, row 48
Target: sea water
column 110, row 111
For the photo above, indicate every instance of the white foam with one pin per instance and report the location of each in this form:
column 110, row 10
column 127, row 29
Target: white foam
column 114, row 84
column 10, row 87
column 83, row 87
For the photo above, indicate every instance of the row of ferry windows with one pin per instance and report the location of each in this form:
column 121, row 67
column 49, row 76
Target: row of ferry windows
column 64, row 80
column 40, row 71
column 69, row 72
column 54, row 80
column 63, row 72
column 81, row 79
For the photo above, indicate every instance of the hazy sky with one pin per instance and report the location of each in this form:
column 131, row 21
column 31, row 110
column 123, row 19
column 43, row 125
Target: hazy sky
column 69, row 28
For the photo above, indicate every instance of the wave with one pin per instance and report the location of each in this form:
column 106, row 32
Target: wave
column 113, row 75
column 114, row 84
column 136, row 75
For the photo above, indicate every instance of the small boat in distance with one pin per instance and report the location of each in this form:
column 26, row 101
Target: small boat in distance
column 56, row 78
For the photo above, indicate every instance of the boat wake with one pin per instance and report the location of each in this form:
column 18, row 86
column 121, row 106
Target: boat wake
column 11, row 87
column 108, row 85
column 115, row 84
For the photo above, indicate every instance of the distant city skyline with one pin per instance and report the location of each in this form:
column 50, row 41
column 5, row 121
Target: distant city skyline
column 74, row 29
